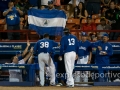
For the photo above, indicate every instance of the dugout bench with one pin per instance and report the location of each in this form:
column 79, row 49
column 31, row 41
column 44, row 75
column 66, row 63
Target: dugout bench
column 81, row 67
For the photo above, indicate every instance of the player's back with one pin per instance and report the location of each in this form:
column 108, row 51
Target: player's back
column 69, row 43
column 43, row 46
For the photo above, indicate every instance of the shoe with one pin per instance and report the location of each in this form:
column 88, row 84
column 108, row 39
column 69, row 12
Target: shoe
column 59, row 84
column 71, row 86
column 41, row 85
column 52, row 84
column 117, row 80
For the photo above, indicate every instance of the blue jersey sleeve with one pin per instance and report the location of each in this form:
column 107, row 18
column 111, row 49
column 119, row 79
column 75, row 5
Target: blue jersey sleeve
column 95, row 44
column 55, row 44
column 61, row 46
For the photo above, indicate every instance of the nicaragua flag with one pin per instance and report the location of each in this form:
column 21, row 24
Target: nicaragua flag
column 47, row 21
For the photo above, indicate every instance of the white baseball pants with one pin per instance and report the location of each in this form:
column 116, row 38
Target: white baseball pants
column 82, row 76
column 44, row 58
column 69, row 59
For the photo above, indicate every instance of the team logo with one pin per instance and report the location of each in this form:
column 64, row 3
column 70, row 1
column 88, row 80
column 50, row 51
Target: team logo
column 11, row 17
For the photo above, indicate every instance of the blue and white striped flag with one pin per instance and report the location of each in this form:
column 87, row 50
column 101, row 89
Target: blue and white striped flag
column 47, row 21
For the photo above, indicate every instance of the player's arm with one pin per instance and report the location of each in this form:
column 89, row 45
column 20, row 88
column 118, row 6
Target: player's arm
column 55, row 44
column 35, row 47
column 30, row 60
column 26, row 49
column 77, row 46
column 90, row 57
column 96, row 45
column 28, row 55
column 61, row 48
column 90, row 53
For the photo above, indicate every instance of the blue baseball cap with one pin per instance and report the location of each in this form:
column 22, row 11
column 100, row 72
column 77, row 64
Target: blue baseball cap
column 66, row 30
column 84, row 34
column 105, row 35
column 18, row 52
column 50, row 2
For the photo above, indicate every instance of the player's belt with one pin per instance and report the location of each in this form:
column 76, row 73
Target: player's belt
column 45, row 52
column 83, row 56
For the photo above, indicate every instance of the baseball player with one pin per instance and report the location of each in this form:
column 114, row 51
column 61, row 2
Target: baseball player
column 103, row 51
column 44, row 48
column 16, row 74
column 69, row 44
column 84, row 57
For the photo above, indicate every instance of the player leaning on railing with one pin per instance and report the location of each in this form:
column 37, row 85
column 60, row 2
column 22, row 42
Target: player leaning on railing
column 103, row 52
column 84, row 57
column 16, row 74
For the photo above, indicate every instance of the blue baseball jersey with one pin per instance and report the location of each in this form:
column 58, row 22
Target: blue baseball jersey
column 106, row 47
column 84, row 48
column 45, row 46
column 68, row 43
column 13, row 17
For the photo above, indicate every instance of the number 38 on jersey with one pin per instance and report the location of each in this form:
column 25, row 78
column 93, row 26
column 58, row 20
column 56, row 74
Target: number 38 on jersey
column 44, row 44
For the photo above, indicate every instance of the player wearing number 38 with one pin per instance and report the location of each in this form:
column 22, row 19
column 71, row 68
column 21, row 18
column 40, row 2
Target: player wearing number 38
column 69, row 44
column 44, row 47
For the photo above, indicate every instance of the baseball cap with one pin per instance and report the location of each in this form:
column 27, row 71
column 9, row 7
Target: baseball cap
column 18, row 52
column 83, row 34
column 66, row 30
column 105, row 35
column 50, row 2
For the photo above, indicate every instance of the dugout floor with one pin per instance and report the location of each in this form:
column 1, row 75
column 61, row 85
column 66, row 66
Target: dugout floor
column 60, row 88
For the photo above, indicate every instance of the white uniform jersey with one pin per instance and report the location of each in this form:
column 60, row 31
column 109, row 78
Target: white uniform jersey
column 16, row 74
column 77, row 2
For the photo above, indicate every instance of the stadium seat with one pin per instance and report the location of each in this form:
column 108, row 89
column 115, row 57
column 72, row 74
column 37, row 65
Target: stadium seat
column 97, row 21
column 84, row 21
column 2, row 24
column 95, row 16
column 73, row 23
column 2, row 21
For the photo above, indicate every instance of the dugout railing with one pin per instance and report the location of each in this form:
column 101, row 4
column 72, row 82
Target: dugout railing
column 81, row 67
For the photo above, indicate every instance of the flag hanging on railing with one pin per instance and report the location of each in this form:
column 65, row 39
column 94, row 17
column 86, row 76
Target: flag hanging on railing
column 47, row 21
